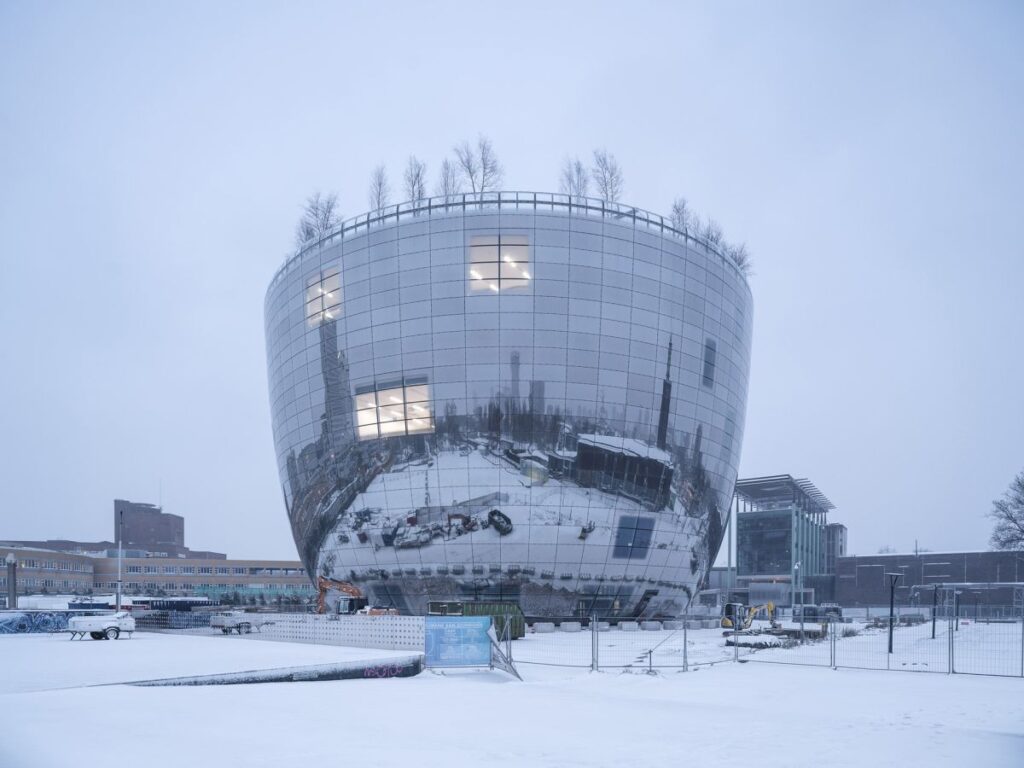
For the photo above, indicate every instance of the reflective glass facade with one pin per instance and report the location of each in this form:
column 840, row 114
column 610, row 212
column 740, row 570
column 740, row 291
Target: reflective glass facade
column 519, row 397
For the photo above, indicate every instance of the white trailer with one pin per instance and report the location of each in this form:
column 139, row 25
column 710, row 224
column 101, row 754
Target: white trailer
column 107, row 626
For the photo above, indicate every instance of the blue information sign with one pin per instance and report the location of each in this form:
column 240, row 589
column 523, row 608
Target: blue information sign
column 458, row 641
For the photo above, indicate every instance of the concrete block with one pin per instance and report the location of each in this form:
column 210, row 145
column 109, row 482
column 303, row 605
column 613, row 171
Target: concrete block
column 672, row 624
column 570, row 626
column 650, row 626
column 629, row 626
column 603, row 626
column 544, row 626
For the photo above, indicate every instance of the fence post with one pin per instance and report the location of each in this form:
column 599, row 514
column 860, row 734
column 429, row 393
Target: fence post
column 1022, row 645
column 833, row 627
column 686, row 664
column 951, row 646
column 595, row 665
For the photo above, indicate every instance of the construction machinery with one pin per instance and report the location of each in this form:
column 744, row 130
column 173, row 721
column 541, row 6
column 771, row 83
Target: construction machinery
column 334, row 596
column 739, row 616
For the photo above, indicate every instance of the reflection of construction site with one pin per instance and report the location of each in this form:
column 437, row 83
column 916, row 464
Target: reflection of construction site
column 425, row 524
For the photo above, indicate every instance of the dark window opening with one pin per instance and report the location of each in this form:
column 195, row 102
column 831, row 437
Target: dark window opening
column 709, row 363
column 633, row 537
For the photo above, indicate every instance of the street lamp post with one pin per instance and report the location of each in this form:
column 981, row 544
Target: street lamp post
column 893, row 578
column 120, row 544
column 798, row 585
column 12, row 580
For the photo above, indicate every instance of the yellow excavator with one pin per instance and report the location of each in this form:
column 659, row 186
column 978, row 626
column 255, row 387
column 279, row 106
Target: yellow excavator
column 734, row 614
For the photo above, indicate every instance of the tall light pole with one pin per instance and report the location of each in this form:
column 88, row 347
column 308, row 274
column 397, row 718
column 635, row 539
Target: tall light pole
column 120, row 544
column 12, row 580
column 893, row 578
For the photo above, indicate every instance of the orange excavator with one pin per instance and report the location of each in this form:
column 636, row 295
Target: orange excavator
column 327, row 586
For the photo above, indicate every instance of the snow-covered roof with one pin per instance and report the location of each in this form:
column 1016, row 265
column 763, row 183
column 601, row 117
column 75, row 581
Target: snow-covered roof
column 627, row 445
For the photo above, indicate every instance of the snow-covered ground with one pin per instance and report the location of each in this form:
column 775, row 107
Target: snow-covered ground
column 48, row 662
column 721, row 715
column 978, row 648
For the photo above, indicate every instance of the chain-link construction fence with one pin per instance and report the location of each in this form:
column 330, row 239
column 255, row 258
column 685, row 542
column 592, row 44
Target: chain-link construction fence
column 915, row 640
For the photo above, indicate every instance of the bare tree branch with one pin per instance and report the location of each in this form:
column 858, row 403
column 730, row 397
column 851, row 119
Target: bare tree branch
column 380, row 190
column 712, row 232
column 479, row 165
column 607, row 176
column 1008, row 513
column 469, row 164
column 574, row 179
column 739, row 255
column 491, row 172
column 415, row 180
column 319, row 216
column 450, row 183
column 682, row 216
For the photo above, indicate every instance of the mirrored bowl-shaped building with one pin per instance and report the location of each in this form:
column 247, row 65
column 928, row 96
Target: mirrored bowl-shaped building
column 510, row 396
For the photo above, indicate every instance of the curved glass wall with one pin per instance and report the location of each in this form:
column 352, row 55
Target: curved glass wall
column 520, row 397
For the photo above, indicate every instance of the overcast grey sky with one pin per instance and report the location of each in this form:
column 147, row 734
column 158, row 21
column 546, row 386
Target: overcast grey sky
column 153, row 160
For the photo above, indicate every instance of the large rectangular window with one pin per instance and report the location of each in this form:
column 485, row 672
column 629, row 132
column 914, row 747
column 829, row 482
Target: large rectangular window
column 633, row 537
column 323, row 297
column 499, row 263
column 394, row 408
column 710, row 349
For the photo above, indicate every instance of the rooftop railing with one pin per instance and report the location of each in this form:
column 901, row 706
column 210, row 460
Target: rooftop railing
column 497, row 201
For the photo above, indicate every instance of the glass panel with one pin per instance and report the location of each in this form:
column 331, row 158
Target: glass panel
column 417, row 393
column 366, row 400
column 390, row 397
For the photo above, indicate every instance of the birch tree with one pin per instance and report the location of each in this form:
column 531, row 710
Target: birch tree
column 450, row 182
column 681, row 216
column 574, row 179
column 607, row 176
column 380, row 190
column 320, row 215
column 479, row 165
column 415, row 180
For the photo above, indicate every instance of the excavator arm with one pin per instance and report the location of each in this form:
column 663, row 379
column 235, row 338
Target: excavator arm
column 325, row 585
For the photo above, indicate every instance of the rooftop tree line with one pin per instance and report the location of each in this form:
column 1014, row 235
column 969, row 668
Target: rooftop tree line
column 474, row 167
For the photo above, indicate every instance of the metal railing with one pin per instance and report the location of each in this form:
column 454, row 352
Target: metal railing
column 497, row 201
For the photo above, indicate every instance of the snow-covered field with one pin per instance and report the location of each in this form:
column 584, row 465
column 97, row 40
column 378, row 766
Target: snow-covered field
column 47, row 662
column 726, row 714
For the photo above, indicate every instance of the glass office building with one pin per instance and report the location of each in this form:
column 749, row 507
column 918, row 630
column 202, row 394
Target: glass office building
column 509, row 396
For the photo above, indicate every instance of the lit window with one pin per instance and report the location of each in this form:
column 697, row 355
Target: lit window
column 394, row 409
column 323, row 297
column 499, row 263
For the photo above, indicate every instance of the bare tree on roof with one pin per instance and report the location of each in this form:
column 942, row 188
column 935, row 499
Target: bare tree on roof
column 739, row 256
column 574, row 179
column 479, row 165
column 415, row 180
column 712, row 232
column 380, row 190
column 491, row 172
column 607, row 176
column 1008, row 512
column 681, row 216
column 450, row 182
column 320, row 215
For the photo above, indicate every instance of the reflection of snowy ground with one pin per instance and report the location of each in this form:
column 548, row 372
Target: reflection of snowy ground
column 435, row 514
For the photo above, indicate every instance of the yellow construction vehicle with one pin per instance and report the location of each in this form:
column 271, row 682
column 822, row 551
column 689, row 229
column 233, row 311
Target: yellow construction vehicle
column 734, row 614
